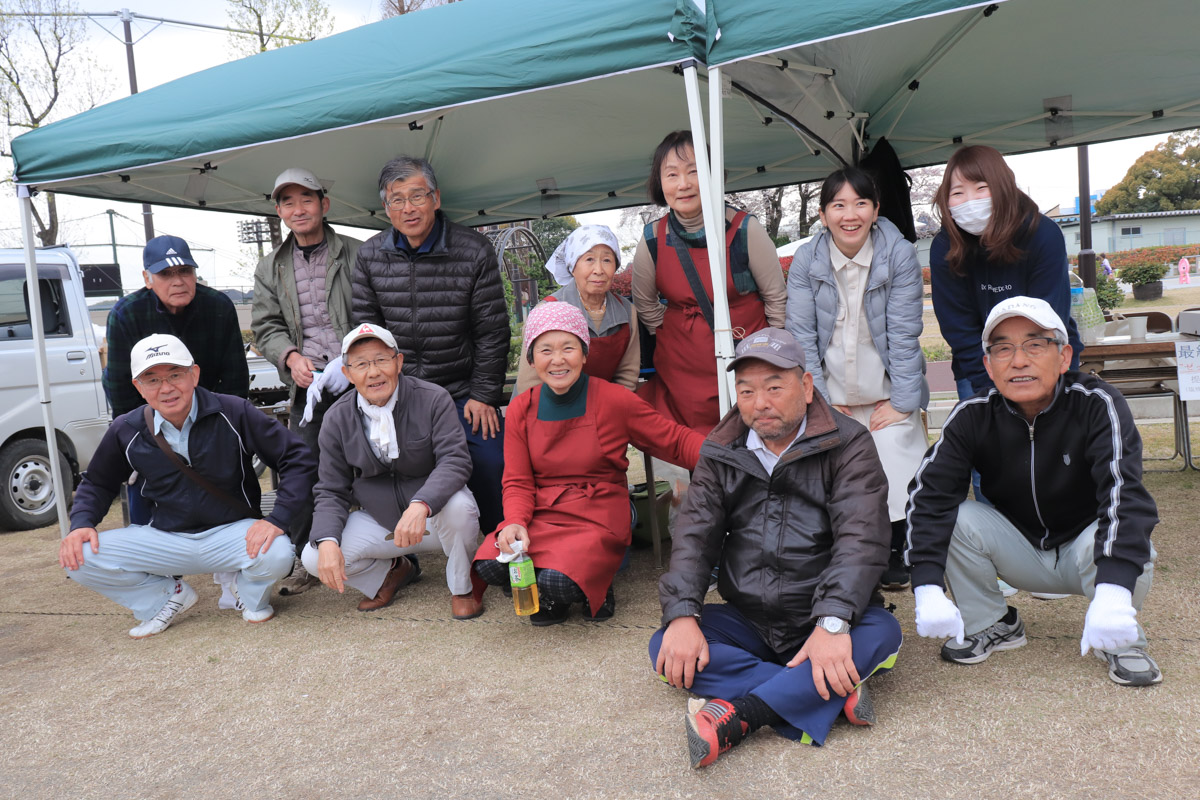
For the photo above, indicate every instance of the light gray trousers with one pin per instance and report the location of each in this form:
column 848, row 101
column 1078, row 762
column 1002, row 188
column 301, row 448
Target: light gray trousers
column 986, row 545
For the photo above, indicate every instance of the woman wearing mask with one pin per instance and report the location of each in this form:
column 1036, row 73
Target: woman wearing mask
column 584, row 265
column 993, row 245
column 671, row 262
column 854, row 305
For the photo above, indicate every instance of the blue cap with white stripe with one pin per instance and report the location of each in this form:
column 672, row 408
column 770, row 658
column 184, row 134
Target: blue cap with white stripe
column 164, row 252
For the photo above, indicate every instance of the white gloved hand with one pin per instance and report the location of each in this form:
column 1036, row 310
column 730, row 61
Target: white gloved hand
column 332, row 378
column 937, row 617
column 1111, row 622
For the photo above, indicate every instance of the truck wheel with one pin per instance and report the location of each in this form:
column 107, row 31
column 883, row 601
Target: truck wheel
column 27, row 499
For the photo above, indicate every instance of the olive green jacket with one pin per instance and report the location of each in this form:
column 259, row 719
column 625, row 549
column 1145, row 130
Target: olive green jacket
column 275, row 314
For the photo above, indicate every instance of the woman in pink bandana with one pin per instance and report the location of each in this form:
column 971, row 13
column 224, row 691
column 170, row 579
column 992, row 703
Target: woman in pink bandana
column 565, row 494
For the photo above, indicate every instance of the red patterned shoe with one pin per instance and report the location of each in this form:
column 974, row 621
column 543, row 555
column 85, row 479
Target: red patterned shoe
column 712, row 730
column 859, row 709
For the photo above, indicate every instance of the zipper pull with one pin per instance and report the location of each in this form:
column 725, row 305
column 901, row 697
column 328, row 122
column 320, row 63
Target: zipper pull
column 1031, row 431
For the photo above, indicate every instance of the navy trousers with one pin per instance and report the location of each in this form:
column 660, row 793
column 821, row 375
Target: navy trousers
column 741, row 663
column 487, row 472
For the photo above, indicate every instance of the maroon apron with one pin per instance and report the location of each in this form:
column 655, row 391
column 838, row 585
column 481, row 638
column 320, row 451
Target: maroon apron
column 684, row 386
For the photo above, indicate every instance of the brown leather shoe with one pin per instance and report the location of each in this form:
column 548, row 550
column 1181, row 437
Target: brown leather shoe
column 465, row 606
column 399, row 576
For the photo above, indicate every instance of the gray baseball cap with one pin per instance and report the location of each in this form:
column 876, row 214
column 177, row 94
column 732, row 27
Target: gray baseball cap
column 300, row 177
column 773, row 345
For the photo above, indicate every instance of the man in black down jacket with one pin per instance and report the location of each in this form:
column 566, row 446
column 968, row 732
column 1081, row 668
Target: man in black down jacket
column 790, row 499
column 191, row 528
column 1061, row 460
column 436, row 286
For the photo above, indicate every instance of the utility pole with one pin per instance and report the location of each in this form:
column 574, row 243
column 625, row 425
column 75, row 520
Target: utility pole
column 126, row 18
column 112, row 230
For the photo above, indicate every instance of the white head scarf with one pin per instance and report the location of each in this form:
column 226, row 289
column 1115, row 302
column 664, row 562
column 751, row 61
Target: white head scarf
column 582, row 239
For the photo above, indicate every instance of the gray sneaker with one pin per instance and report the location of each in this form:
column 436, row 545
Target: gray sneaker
column 1132, row 667
column 1007, row 634
column 299, row 581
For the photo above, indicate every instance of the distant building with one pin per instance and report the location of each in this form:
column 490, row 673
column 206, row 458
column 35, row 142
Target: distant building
column 1117, row 232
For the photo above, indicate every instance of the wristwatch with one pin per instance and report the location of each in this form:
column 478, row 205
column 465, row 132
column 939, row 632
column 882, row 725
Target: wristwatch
column 833, row 625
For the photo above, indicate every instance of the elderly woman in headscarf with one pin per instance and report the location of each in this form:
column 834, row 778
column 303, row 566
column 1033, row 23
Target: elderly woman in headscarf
column 565, row 493
column 584, row 265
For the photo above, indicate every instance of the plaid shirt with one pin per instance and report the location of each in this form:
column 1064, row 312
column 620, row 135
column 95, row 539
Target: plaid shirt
column 208, row 326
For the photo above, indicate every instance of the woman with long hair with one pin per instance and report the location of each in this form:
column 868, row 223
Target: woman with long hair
column 994, row 244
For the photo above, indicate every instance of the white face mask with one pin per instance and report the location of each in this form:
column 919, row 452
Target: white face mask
column 973, row 215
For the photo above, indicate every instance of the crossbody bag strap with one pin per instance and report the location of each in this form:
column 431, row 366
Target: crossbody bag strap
column 195, row 477
column 693, row 279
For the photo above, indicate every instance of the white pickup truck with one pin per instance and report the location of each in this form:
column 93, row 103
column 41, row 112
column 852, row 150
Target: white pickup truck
column 81, row 413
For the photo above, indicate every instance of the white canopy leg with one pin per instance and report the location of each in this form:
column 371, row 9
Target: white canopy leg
column 39, row 357
column 712, row 202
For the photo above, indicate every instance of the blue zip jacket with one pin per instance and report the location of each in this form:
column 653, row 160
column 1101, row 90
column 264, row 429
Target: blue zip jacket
column 962, row 304
column 227, row 433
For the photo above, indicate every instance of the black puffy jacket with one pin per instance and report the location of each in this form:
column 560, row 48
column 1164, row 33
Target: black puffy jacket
column 809, row 540
column 446, row 308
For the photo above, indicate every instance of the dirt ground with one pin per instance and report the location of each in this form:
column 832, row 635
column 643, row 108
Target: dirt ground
column 324, row 701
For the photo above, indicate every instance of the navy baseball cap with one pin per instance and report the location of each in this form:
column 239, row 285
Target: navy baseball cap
column 162, row 252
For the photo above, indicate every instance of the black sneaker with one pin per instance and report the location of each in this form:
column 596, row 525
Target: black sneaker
column 895, row 577
column 606, row 611
column 1007, row 634
column 549, row 614
column 1133, row 667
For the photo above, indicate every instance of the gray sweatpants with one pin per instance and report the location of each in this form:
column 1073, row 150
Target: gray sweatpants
column 986, row 545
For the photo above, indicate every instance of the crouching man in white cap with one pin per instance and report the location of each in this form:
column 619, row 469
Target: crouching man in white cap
column 192, row 451
column 395, row 448
column 1061, row 461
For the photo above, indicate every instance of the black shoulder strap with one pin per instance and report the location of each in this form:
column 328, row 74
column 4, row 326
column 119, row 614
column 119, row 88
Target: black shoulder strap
column 693, row 279
column 195, row 477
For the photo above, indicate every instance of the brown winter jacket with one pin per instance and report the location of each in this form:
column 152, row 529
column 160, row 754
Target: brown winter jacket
column 809, row 540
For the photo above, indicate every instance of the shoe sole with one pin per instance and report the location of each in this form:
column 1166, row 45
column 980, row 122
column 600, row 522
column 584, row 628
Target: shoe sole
column 186, row 606
column 859, row 708
column 896, row 587
column 260, row 621
column 546, row 623
column 1007, row 644
column 699, row 748
column 478, row 613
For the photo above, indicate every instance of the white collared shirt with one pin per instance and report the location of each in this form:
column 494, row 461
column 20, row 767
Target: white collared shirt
column 854, row 372
column 755, row 444
column 177, row 439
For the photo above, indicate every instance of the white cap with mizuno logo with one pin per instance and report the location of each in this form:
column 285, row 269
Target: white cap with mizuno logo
column 159, row 348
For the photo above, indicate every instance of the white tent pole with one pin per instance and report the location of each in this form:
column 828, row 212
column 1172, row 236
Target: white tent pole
column 714, row 227
column 716, row 140
column 34, row 294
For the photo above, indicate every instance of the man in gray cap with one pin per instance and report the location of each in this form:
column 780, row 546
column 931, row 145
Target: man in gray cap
column 302, row 294
column 790, row 499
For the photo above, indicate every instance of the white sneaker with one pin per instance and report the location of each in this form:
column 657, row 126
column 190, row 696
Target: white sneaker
column 183, row 598
column 250, row 616
column 1005, row 589
column 229, row 600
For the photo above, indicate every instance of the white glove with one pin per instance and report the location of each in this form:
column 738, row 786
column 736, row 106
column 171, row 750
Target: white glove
column 937, row 617
column 331, row 380
column 1111, row 622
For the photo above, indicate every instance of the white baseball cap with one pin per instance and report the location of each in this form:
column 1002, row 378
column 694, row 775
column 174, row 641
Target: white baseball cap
column 300, row 177
column 159, row 348
column 368, row 331
column 1033, row 309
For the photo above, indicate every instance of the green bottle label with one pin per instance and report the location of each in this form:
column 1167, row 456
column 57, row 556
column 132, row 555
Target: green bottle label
column 520, row 573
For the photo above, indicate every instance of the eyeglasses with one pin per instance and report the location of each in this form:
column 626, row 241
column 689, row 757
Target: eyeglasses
column 416, row 199
column 175, row 378
column 364, row 366
column 171, row 273
column 1034, row 348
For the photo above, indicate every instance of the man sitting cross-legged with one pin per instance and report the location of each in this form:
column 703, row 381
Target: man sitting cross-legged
column 790, row 499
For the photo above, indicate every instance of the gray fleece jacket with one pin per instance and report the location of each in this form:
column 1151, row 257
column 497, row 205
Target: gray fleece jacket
column 434, row 462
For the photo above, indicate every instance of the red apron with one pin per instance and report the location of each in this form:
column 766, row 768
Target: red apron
column 684, row 386
column 581, row 523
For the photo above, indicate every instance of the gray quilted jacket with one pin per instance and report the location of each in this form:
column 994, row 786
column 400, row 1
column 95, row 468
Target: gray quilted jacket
column 893, row 304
